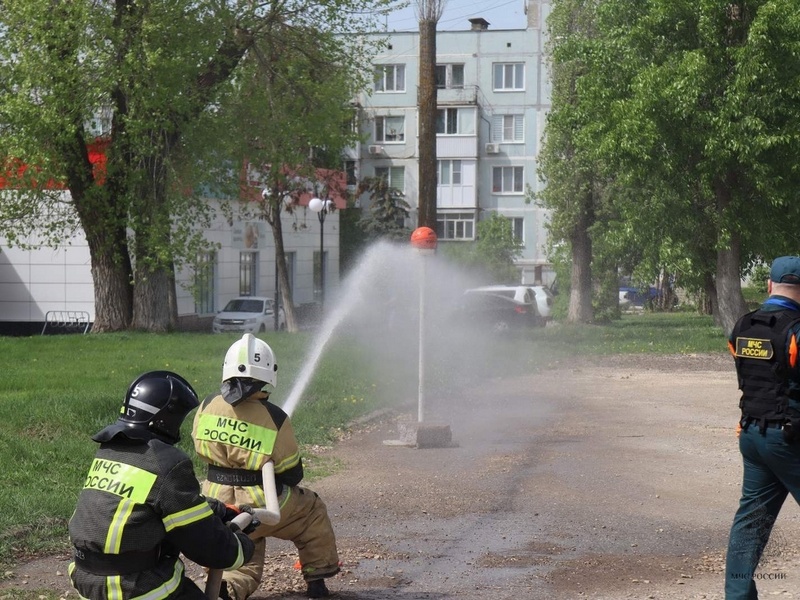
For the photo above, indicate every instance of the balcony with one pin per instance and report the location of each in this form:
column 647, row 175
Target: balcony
column 457, row 146
column 457, row 96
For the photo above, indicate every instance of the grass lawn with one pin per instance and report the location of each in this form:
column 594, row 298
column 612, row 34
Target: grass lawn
column 57, row 391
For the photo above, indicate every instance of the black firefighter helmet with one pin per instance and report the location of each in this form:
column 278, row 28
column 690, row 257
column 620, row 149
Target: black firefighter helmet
column 156, row 404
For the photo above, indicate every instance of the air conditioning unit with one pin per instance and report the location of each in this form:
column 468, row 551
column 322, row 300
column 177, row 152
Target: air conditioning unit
column 375, row 149
column 492, row 148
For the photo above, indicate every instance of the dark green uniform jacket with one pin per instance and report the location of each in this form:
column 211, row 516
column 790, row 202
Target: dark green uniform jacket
column 140, row 507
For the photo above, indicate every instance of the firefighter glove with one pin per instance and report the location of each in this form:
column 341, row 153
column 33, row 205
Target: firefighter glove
column 226, row 512
column 231, row 512
column 254, row 523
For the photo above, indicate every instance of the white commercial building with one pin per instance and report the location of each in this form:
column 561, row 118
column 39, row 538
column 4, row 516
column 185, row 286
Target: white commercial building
column 58, row 280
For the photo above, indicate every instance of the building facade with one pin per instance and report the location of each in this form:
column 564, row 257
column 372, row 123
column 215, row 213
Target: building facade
column 58, row 280
column 493, row 93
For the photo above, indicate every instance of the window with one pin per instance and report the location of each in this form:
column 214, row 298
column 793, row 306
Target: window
column 390, row 129
column 447, row 121
column 205, row 276
column 395, row 176
column 350, row 172
column 507, row 180
column 455, row 121
column 508, row 128
column 449, row 172
column 390, row 78
column 455, row 226
column 248, row 261
column 518, row 229
column 509, row 76
column 449, row 76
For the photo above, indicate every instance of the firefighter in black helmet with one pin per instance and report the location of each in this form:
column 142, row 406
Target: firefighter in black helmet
column 141, row 506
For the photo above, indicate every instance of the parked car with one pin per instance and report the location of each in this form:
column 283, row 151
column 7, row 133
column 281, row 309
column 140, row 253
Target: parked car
column 527, row 294
column 520, row 293
column 633, row 297
column 544, row 301
column 248, row 314
column 499, row 308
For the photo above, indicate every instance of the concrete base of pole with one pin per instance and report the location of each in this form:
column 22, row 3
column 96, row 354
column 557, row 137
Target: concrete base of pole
column 434, row 435
column 423, row 435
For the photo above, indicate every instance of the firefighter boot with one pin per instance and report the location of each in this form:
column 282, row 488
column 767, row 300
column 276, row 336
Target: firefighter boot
column 223, row 592
column 317, row 589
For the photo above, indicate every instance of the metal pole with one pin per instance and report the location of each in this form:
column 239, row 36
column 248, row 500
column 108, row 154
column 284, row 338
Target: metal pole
column 321, row 216
column 277, row 293
column 421, row 395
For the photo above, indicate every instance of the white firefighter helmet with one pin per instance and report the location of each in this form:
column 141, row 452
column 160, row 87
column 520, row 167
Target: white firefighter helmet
column 250, row 357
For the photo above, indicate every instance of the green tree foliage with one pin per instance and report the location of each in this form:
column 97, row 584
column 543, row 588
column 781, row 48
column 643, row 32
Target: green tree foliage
column 388, row 211
column 690, row 109
column 497, row 248
column 156, row 75
column 491, row 257
column 352, row 239
column 287, row 115
column 568, row 162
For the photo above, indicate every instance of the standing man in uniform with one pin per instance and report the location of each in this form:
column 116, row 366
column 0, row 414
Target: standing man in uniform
column 765, row 345
column 141, row 505
column 236, row 433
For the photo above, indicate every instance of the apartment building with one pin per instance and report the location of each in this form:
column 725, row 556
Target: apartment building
column 493, row 93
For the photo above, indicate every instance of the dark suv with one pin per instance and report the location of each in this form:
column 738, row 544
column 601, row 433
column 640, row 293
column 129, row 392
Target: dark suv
column 498, row 310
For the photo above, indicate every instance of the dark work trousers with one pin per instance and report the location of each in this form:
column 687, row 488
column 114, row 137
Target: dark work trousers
column 771, row 472
column 190, row 591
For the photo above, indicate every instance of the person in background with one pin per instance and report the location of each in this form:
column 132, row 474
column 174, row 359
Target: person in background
column 764, row 344
column 141, row 506
column 236, row 432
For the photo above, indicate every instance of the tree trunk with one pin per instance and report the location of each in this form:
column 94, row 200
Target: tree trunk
column 427, row 124
column 173, row 300
column 580, row 297
column 102, row 214
column 728, row 277
column 283, row 274
column 729, row 286
column 154, row 275
column 707, row 304
column 151, row 305
column 113, row 291
column 112, row 273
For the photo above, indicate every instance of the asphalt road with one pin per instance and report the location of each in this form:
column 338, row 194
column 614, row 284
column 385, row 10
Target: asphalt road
column 611, row 480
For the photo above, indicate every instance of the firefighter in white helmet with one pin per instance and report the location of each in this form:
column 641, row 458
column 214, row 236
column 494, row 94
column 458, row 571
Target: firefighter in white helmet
column 236, row 432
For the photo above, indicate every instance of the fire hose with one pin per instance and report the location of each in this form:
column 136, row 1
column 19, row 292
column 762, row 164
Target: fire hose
column 271, row 515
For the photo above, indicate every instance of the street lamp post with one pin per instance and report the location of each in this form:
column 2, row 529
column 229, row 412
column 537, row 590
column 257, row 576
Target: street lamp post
column 322, row 208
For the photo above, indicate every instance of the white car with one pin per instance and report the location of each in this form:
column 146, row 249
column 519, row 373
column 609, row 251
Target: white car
column 544, row 301
column 248, row 314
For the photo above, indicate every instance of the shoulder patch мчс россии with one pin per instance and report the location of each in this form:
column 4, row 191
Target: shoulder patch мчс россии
column 753, row 348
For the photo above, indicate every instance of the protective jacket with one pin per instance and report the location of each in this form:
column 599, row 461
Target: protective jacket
column 140, row 507
column 765, row 350
column 236, row 442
